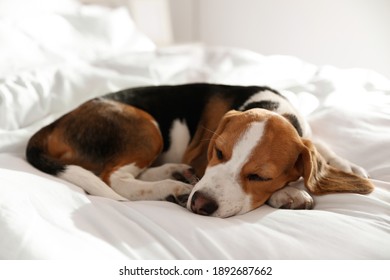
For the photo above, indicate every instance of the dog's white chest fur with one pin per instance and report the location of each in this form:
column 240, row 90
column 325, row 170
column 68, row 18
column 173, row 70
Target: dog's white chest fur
column 179, row 139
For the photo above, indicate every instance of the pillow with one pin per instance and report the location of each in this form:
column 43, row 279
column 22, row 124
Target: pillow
column 27, row 7
column 52, row 36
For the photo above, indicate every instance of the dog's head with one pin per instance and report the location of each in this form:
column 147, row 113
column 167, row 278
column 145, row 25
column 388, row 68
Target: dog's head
column 255, row 153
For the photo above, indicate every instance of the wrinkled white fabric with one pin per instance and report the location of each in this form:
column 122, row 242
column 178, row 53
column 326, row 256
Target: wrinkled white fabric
column 42, row 217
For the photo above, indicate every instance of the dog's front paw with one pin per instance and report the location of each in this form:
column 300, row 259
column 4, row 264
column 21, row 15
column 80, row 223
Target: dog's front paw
column 173, row 171
column 184, row 173
column 291, row 198
column 179, row 193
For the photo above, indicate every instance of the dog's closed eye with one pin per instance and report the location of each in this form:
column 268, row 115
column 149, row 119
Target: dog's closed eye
column 219, row 154
column 257, row 178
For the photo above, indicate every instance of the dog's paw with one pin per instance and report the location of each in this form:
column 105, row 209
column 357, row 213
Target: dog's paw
column 347, row 166
column 291, row 198
column 184, row 173
column 179, row 193
column 173, row 171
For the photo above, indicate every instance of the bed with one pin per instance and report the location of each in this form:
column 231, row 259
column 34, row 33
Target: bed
column 54, row 58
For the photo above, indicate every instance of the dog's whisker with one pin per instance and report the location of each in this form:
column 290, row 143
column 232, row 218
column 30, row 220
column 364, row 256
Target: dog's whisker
column 209, row 130
column 214, row 134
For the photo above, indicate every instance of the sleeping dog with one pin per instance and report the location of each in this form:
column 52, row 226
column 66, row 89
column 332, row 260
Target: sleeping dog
column 245, row 144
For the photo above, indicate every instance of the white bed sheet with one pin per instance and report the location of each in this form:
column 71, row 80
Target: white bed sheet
column 42, row 217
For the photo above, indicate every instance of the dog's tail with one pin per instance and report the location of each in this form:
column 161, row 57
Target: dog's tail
column 38, row 155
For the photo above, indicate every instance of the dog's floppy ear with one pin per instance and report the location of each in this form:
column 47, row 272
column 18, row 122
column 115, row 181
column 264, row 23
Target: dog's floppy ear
column 222, row 124
column 321, row 178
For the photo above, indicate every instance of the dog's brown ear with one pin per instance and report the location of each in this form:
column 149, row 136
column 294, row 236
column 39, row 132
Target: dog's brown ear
column 222, row 124
column 321, row 178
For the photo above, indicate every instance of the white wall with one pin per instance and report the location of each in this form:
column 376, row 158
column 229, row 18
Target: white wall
column 153, row 18
column 184, row 19
column 344, row 33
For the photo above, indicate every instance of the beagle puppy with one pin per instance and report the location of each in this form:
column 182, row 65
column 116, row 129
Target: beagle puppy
column 219, row 150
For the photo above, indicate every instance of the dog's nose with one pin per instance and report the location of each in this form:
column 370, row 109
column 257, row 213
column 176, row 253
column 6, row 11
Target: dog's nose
column 202, row 204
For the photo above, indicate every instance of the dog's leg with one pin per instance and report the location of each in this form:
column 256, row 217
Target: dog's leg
column 338, row 162
column 174, row 171
column 291, row 198
column 124, row 182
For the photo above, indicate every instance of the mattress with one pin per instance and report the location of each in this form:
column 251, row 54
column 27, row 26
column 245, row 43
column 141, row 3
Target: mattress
column 95, row 50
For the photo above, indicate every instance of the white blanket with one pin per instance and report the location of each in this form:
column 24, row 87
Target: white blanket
column 93, row 51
